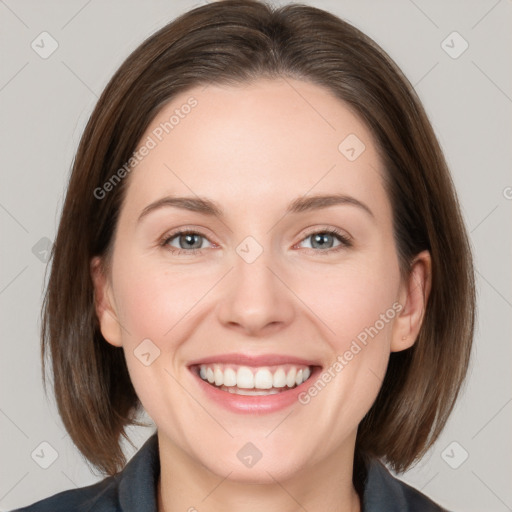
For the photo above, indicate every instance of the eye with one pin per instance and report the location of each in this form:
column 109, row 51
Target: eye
column 325, row 240
column 186, row 241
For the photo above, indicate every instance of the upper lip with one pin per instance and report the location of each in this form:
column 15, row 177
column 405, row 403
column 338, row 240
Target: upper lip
column 254, row 360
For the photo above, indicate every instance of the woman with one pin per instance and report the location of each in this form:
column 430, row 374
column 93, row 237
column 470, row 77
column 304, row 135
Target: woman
column 267, row 256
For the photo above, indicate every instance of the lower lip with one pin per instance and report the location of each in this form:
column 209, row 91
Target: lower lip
column 256, row 404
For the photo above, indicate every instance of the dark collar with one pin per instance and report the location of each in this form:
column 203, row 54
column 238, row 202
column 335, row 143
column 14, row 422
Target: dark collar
column 139, row 478
column 385, row 493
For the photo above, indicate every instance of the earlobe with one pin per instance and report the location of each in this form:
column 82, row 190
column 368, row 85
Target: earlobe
column 413, row 297
column 103, row 303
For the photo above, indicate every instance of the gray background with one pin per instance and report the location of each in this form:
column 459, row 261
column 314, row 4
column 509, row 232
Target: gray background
column 44, row 106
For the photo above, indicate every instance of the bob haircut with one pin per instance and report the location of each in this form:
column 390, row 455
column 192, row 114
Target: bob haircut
column 235, row 42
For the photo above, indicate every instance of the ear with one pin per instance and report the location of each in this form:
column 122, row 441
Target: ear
column 104, row 304
column 413, row 297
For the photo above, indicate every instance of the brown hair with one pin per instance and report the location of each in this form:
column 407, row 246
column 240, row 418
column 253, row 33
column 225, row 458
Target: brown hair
column 234, row 42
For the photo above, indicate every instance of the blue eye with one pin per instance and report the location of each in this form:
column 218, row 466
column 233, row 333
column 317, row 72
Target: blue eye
column 188, row 242
column 324, row 241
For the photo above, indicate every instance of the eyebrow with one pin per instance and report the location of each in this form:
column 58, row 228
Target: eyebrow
column 212, row 208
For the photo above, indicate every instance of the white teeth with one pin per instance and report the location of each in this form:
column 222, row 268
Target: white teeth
column 249, row 378
column 263, row 379
column 279, row 379
column 219, row 376
column 290, row 377
column 244, row 378
column 229, row 377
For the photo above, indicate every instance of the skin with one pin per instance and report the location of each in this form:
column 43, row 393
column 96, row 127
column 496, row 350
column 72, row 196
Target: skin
column 253, row 149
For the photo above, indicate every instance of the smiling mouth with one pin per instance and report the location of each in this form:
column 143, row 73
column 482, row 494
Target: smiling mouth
column 254, row 381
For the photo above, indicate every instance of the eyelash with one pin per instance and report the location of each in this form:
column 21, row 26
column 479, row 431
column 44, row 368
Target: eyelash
column 345, row 241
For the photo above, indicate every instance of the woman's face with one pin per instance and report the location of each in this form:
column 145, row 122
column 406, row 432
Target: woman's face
column 289, row 268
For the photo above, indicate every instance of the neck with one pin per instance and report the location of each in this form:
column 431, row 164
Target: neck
column 186, row 485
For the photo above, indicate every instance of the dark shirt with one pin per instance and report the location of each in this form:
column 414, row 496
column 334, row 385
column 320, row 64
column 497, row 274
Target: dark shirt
column 134, row 490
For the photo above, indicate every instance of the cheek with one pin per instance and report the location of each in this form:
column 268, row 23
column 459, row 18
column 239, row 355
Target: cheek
column 352, row 298
column 153, row 300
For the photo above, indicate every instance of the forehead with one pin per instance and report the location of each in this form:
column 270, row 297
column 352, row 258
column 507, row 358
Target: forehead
column 262, row 143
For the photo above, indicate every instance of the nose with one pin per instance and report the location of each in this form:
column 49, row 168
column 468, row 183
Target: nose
column 256, row 300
